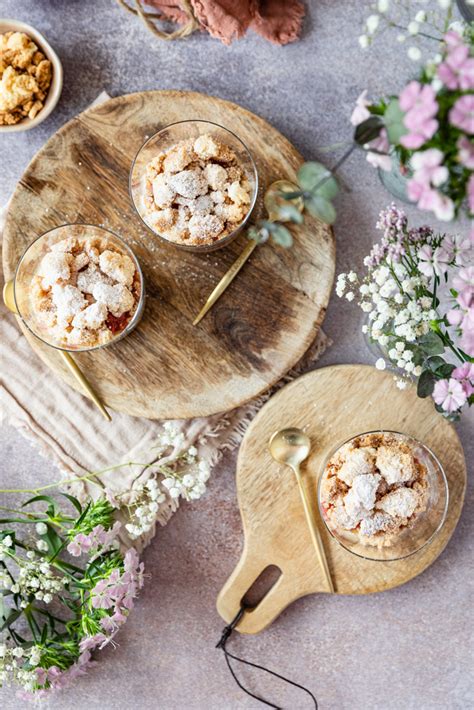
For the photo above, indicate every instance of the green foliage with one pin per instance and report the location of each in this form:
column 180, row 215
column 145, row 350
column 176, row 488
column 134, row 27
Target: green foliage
column 393, row 120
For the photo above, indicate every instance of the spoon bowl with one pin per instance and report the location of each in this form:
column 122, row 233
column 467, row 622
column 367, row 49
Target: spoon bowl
column 290, row 446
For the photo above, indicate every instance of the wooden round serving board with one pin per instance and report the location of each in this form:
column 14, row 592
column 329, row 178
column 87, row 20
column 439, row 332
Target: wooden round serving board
column 331, row 405
column 260, row 327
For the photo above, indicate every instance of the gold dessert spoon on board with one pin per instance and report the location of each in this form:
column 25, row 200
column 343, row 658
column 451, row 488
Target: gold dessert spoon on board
column 291, row 447
column 271, row 201
column 9, row 301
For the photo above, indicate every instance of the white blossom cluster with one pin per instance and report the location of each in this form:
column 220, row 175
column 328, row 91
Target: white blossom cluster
column 411, row 22
column 35, row 577
column 396, row 315
column 12, row 660
column 182, row 474
column 144, row 509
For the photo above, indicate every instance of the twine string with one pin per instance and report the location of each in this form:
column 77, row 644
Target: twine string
column 226, row 634
column 151, row 18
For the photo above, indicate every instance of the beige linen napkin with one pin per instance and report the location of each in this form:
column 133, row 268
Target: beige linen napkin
column 68, row 429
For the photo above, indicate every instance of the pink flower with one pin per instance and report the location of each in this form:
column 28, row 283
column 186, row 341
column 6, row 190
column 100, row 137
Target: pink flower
column 463, row 315
column 464, row 280
column 41, row 676
column 420, row 106
column 361, row 112
column 453, row 39
column 466, row 152
column 429, row 199
column 467, row 342
column 460, row 248
column 89, row 643
column 428, row 168
column 457, row 70
column 433, row 262
column 465, row 374
column 462, row 113
column 382, row 145
column 449, row 394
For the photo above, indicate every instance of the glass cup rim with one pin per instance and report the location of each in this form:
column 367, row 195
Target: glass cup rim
column 443, row 478
column 220, row 242
column 136, row 316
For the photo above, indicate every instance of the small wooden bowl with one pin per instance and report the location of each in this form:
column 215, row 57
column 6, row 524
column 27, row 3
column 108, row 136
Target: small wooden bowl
column 54, row 91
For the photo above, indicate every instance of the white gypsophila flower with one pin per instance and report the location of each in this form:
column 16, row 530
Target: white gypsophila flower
column 42, row 545
column 364, row 41
column 417, row 370
column 372, row 23
column 365, row 329
column 352, row 276
column 41, row 528
column 444, row 4
column 383, row 5
column 401, row 384
column 420, row 16
column 350, row 296
column 380, row 364
column 401, row 38
column 414, row 54
column 7, row 541
column 413, row 28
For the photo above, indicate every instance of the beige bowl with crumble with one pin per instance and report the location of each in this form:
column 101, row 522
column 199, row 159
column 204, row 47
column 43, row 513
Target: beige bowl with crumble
column 383, row 495
column 31, row 77
column 194, row 184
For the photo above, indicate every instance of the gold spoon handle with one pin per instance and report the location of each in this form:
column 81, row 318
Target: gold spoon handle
column 85, row 384
column 228, row 277
column 315, row 536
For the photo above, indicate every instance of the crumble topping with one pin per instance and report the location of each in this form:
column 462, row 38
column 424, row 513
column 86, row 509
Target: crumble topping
column 195, row 192
column 85, row 291
column 374, row 487
column 25, row 78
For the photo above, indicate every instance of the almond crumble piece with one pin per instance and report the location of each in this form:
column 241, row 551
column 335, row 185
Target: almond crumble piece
column 195, row 192
column 25, row 78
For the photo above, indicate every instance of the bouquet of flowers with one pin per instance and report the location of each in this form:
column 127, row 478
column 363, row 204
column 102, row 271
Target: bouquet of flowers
column 61, row 610
column 423, row 330
column 429, row 127
column 68, row 585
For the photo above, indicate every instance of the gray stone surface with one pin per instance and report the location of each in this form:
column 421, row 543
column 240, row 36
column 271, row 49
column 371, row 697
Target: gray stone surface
column 407, row 648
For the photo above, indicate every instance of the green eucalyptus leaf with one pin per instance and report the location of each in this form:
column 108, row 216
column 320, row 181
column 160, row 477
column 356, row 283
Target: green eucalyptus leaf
column 393, row 120
column 431, row 344
column 320, row 208
column 280, row 234
column 316, row 178
column 434, row 362
column 445, row 371
column 426, row 383
column 368, row 130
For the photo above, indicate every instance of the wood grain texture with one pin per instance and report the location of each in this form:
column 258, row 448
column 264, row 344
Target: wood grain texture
column 331, row 405
column 259, row 328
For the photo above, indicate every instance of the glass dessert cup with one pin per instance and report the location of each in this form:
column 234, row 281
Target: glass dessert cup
column 409, row 539
column 165, row 139
column 27, row 269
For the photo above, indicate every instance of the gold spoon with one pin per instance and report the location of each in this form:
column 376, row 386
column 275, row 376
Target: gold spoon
column 291, row 447
column 9, row 300
column 272, row 200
